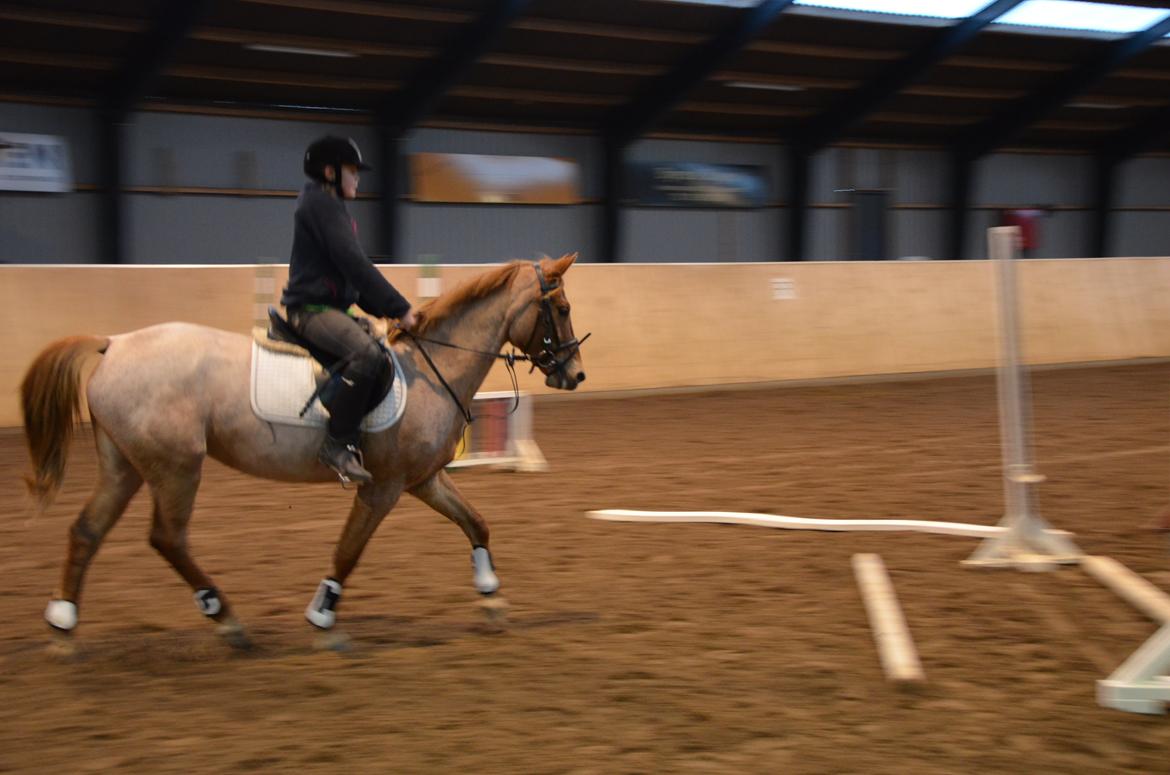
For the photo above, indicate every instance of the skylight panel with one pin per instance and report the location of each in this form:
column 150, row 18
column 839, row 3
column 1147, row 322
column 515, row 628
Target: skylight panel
column 937, row 9
column 1077, row 15
column 728, row 3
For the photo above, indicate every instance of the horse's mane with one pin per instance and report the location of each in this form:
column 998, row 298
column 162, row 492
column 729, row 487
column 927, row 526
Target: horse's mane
column 439, row 309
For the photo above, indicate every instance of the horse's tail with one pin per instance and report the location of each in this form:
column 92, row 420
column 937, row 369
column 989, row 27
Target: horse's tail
column 50, row 398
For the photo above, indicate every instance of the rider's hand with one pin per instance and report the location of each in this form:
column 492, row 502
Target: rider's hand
column 408, row 321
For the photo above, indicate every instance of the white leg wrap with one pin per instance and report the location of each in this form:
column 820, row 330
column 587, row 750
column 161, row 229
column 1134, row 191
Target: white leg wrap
column 61, row 614
column 208, row 602
column 486, row 581
column 322, row 611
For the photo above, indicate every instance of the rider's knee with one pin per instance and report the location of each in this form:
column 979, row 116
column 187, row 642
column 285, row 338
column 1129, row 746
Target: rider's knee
column 369, row 362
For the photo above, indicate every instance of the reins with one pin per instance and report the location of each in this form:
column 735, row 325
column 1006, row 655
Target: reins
column 509, row 360
column 546, row 359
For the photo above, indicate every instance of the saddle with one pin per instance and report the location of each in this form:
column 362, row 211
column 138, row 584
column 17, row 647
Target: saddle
column 293, row 381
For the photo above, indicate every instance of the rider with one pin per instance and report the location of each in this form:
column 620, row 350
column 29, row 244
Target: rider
column 328, row 273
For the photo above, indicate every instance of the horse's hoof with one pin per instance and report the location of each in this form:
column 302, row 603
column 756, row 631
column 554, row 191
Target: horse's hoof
column 331, row 640
column 235, row 636
column 495, row 608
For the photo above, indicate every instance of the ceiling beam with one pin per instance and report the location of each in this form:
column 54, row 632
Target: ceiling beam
column 1153, row 130
column 411, row 104
column 87, row 21
column 150, row 55
column 630, row 121
column 1013, row 120
column 828, row 126
column 370, row 9
column 421, row 14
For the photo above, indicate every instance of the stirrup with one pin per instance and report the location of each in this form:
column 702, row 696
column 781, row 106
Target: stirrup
column 329, row 457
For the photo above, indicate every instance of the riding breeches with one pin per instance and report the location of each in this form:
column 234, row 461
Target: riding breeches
column 344, row 338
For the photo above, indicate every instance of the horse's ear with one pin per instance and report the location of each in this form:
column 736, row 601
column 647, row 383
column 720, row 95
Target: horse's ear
column 562, row 264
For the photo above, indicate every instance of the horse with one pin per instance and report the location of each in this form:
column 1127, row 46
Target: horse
column 163, row 398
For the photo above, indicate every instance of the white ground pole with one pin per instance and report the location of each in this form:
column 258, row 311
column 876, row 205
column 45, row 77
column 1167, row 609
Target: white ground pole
column 890, row 633
column 1028, row 543
column 799, row 523
column 1141, row 684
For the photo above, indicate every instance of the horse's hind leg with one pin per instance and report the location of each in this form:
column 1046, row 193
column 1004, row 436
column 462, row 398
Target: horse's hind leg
column 174, row 501
column 440, row 493
column 117, row 483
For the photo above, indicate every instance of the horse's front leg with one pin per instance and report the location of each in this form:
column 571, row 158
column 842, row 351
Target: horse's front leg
column 440, row 493
column 370, row 506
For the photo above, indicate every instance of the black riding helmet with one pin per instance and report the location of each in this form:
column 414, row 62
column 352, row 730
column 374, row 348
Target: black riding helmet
column 331, row 151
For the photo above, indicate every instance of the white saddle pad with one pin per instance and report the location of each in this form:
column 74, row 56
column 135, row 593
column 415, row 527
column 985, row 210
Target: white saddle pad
column 282, row 383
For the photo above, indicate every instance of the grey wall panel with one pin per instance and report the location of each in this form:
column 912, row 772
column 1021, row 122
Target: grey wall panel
column 920, row 177
column 207, row 230
column 754, row 235
column 221, row 230
column 918, row 233
column 683, row 234
column 206, row 150
column 1142, row 182
column 872, row 168
column 1141, row 234
column 828, row 171
column 837, row 170
column 760, row 154
column 669, row 235
column 1065, row 235
column 1025, row 179
column 49, row 228
column 827, row 235
column 78, row 125
column 978, row 222
column 654, row 235
column 458, row 234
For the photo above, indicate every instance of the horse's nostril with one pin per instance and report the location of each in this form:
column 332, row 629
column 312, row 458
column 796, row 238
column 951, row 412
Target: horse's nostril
column 580, row 376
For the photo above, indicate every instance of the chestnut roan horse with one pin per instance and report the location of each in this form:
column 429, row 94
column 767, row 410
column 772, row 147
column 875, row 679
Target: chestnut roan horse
column 163, row 398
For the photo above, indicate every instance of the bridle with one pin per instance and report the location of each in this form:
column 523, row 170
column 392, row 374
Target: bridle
column 549, row 360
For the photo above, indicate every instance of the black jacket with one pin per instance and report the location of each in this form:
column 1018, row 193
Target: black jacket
column 328, row 266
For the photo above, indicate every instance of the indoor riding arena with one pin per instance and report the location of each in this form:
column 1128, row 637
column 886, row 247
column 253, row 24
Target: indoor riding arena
column 845, row 445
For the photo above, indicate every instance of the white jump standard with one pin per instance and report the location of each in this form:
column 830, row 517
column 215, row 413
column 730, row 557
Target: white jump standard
column 1028, row 543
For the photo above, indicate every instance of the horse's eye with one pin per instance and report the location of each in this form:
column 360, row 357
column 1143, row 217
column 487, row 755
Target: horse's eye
column 564, row 311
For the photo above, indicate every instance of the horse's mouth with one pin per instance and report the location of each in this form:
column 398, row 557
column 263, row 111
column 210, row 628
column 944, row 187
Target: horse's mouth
column 562, row 381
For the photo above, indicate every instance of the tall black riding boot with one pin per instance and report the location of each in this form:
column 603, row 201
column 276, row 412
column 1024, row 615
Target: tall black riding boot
column 341, row 450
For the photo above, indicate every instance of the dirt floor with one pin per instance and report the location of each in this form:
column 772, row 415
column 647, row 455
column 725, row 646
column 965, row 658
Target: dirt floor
column 628, row 648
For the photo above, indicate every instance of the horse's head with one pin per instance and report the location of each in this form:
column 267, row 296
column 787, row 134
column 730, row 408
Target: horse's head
column 542, row 326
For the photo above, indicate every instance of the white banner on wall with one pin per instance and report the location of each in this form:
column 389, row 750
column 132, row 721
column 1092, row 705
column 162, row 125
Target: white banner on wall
column 34, row 163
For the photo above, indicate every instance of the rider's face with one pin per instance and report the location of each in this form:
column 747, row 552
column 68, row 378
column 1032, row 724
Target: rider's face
column 349, row 181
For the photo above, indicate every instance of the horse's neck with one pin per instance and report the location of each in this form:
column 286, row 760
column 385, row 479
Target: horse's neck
column 481, row 325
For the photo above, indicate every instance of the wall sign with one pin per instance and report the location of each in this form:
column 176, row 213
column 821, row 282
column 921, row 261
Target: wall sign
column 687, row 184
column 34, row 163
